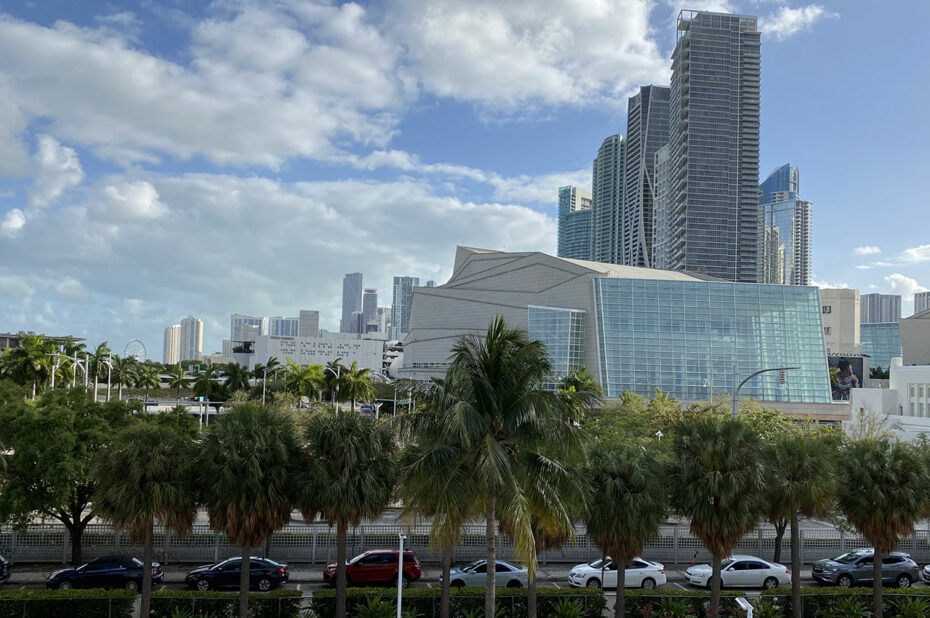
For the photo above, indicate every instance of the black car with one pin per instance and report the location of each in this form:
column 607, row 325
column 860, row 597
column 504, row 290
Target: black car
column 264, row 574
column 104, row 572
column 6, row 569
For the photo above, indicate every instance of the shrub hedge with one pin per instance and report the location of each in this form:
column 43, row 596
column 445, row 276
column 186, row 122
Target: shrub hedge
column 66, row 603
column 281, row 603
column 424, row 602
column 678, row 603
column 846, row 602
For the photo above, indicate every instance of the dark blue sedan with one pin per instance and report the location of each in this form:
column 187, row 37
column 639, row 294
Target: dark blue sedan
column 264, row 574
column 104, row 572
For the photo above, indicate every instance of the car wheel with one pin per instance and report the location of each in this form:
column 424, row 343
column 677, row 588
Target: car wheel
column 457, row 584
column 264, row 584
column 513, row 583
column 405, row 581
column 649, row 583
column 903, row 581
column 844, row 581
column 593, row 583
column 203, row 585
column 131, row 584
column 770, row 583
column 65, row 585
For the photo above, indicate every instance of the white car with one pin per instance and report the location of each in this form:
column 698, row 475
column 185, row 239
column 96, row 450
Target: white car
column 639, row 574
column 475, row 575
column 742, row 572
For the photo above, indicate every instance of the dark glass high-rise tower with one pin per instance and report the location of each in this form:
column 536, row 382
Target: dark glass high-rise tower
column 607, row 198
column 786, row 229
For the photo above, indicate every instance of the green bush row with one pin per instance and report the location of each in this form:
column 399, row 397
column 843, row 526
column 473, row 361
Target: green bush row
column 678, row 603
column 66, row 603
column 424, row 602
column 846, row 603
column 281, row 603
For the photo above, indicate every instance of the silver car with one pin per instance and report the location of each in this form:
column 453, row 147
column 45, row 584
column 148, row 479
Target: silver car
column 475, row 575
column 857, row 568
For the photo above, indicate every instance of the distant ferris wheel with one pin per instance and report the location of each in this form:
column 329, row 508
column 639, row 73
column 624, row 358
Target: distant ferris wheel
column 136, row 349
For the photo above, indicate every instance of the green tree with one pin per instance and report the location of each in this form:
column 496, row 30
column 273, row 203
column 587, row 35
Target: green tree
column 46, row 467
column 883, row 491
column 357, row 384
column 205, row 384
column 30, row 363
column 148, row 377
column 146, row 475
column 627, row 502
column 237, row 377
column 178, row 379
column 717, row 480
column 347, row 472
column 125, row 372
column 801, row 480
column 245, row 477
column 98, row 359
column 334, row 376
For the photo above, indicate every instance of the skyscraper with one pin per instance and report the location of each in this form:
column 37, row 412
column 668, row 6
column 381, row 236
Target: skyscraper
column 172, row 348
column 351, row 300
column 607, row 194
column 921, row 301
column 279, row 326
column 191, row 346
column 400, row 310
column 880, row 308
column 574, row 223
column 646, row 132
column 370, row 306
column 308, row 323
column 713, row 157
column 237, row 321
column 786, row 229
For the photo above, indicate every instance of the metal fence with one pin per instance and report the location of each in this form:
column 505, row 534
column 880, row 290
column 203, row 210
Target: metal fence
column 316, row 543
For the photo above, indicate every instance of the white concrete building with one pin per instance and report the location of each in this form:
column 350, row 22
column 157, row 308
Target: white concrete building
column 905, row 404
column 172, row 348
column 308, row 323
column 915, row 339
column 191, row 338
column 368, row 353
column 840, row 310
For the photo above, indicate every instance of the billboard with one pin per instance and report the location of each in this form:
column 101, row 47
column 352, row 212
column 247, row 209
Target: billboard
column 846, row 373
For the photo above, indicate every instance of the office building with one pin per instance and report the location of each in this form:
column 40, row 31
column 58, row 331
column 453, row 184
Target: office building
column 172, row 346
column 191, row 346
column 635, row 329
column 786, row 229
column 607, row 196
column 880, row 308
column 369, row 307
column 881, row 342
column 712, row 174
column 368, row 353
column 574, row 223
column 237, row 322
column 351, row 300
column 915, row 339
column 430, row 284
column 841, row 320
column 921, row 302
column 308, row 323
column 647, row 132
column 400, row 309
column 384, row 320
column 279, row 326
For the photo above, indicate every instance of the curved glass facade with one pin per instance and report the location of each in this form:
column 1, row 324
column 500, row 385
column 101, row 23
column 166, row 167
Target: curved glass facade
column 562, row 331
column 685, row 337
column 882, row 342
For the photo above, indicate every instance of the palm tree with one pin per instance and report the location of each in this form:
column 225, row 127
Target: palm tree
column 628, row 501
column 334, row 375
column 29, row 363
column 882, row 492
column 717, row 481
column 98, row 359
column 146, row 475
column 357, row 384
column 124, row 373
column 237, row 377
column 246, row 465
column 178, row 379
column 148, row 377
column 347, row 472
column 307, row 380
column 205, row 382
column 510, row 429
column 801, row 479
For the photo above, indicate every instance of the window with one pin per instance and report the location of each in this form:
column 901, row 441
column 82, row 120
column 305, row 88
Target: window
column 826, row 331
column 501, row 568
column 892, row 559
column 828, row 309
column 755, row 566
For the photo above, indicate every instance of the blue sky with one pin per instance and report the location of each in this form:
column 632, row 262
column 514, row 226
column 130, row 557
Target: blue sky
column 166, row 158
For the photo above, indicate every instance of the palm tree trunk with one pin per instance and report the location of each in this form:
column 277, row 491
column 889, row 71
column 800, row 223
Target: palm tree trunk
column 490, row 533
column 444, row 592
column 531, row 594
column 353, row 404
column 780, row 526
column 715, row 588
column 147, row 551
column 244, row 569
column 620, row 603
column 877, row 584
column 342, row 534
column 119, row 392
column 796, row 609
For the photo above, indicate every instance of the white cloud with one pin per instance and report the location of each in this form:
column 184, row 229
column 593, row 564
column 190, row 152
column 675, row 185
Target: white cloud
column 827, row 285
column 14, row 158
column 786, row 21
column 867, row 250
column 903, row 285
column 916, row 254
column 12, row 222
column 132, row 200
column 57, row 170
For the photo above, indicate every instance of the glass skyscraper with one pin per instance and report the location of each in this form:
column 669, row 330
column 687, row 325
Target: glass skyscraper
column 400, row 310
column 351, row 300
column 786, row 229
column 713, row 157
column 607, row 192
column 882, row 342
column 574, row 223
column 684, row 336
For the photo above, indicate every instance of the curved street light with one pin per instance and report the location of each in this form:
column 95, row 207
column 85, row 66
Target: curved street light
column 337, row 373
column 733, row 403
column 76, row 362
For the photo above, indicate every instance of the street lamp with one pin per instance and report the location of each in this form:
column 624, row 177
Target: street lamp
column 265, row 379
column 401, row 537
column 336, row 372
column 76, row 362
column 733, row 403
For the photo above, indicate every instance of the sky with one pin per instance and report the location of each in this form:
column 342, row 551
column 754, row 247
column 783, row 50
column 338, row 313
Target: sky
column 163, row 158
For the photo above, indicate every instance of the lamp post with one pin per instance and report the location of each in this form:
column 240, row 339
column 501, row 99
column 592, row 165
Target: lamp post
column 265, row 379
column 733, row 403
column 401, row 537
column 75, row 363
column 337, row 373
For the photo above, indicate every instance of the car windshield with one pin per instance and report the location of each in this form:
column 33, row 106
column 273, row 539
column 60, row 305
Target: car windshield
column 847, row 558
column 726, row 563
column 474, row 565
column 137, row 562
column 599, row 562
column 356, row 559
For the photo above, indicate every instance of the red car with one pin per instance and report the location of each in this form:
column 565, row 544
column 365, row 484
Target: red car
column 378, row 566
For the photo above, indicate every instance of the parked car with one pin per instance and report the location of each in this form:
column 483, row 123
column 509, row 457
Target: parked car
column 742, row 572
column 925, row 574
column 857, row 567
column 104, row 572
column 475, row 575
column 376, row 567
column 264, row 574
column 639, row 574
column 6, row 569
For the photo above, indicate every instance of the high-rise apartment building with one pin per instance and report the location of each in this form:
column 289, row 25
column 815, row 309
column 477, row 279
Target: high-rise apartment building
column 351, row 300
column 647, row 132
column 880, row 308
column 279, row 326
column 574, row 223
column 172, row 347
column 921, row 302
column 713, row 157
column 607, row 196
column 369, row 307
column 786, row 229
column 191, row 345
column 308, row 323
column 236, row 323
column 400, row 310
column 430, row 284
column 839, row 311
